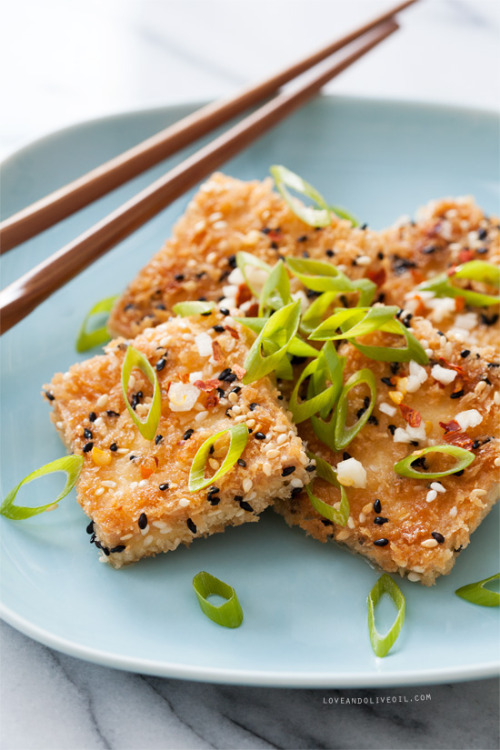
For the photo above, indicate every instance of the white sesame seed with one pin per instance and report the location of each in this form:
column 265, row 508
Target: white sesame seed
column 165, row 341
column 98, row 422
column 280, row 428
column 103, row 400
column 201, row 416
column 183, row 502
column 429, row 543
column 126, row 537
column 148, row 541
column 108, row 483
column 100, row 491
column 145, row 530
column 296, row 482
column 247, row 484
column 143, row 483
column 213, row 464
column 453, row 511
column 362, row 518
column 236, row 409
column 233, row 397
column 267, row 469
column 123, row 451
column 496, row 397
column 413, row 577
column 281, row 439
column 251, row 423
column 219, row 224
column 350, row 522
column 437, row 486
column 272, row 453
column 59, row 425
column 431, row 495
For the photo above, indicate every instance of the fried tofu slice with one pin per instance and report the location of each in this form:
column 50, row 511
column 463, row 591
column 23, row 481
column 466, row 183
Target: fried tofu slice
column 447, row 233
column 415, row 527
column 135, row 490
column 227, row 216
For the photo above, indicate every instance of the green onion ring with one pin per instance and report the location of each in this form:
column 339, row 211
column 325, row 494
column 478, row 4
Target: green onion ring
column 238, row 437
column 184, row 309
column 326, row 472
column 404, row 468
column 385, row 585
column 279, row 329
column 134, row 358
column 344, row 435
column 476, row 593
column 325, row 400
column 474, row 270
column 89, row 339
column 71, row 465
column 229, row 614
column 315, row 217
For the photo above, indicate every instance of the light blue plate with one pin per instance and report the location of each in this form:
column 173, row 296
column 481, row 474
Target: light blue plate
column 304, row 602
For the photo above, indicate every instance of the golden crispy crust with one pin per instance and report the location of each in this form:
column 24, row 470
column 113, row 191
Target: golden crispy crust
column 89, row 412
column 411, row 519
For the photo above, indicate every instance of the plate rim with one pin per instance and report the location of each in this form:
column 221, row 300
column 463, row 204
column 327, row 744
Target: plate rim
column 289, row 679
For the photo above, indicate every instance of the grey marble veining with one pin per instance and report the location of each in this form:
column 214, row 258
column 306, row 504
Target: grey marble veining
column 65, row 61
column 49, row 701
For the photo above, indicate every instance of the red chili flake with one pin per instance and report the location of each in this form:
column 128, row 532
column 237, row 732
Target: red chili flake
column 212, row 400
column 233, row 332
column 459, row 304
column 451, row 271
column 451, row 426
column 412, row 416
column 240, row 371
column 243, row 295
column 465, row 255
column 274, row 234
column 217, row 351
column 378, row 277
column 457, row 368
column 253, row 310
column 417, row 276
column 207, row 385
column 461, row 439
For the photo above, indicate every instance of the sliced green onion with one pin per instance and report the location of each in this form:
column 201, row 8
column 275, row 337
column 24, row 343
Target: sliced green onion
column 412, row 351
column 300, row 348
column 474, row 270
column 343, row 214
column 277, row 333
column 71, row 465
column 478, row 594
column 255, row 324
column 324, row 400
column 382, row 644
column 326, row 472
column 238, row 436
column 276, row 290
column 324, row 427
column 89, row 339
column 405, row 469
column 184, row 309
column 344, row 435
column 245, row 260
column 315, row 217
column 134, row 358
column 229, row 614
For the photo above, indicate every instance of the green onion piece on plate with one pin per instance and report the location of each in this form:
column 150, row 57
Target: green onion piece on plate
column 71, row 465
column 324, row 400
column 405, row 469
column 315, row 217
column 134, row 358
column 343, row 435
column 326, row 472
column 476, row 593
column 238, row 437
column 270, row 346
column 229, row 614
column 89, row 339
column 184, row 309
column 382, row 644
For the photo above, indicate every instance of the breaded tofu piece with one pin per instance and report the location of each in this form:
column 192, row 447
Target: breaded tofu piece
column 447, row 233
column 415, row 527
column 227, row 216
column 136, row 490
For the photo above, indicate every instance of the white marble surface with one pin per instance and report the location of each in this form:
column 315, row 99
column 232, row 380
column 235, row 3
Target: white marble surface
column 64, row 61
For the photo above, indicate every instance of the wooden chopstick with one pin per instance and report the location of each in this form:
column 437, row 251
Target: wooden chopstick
column 22, row 296
column 96, row 183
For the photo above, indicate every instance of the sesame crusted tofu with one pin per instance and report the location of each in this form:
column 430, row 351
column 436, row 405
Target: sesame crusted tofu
column 447, row 233
column 415, row 527
column 135, row 490
column 225, row 217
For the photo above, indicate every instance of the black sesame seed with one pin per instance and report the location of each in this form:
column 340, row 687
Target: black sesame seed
column 364, row 226
column 326, row 522
column 228, row 412
column 280, row 397
column 380, row 520
column 246, row 506
column 191, row 526
column 113, row 447
column 49, row 395
column 380, row 255
column 395, row 367
column 266, row 230
column 489, row 321
column 105, row 550
column 111, row 413
column 377, row 506
column 238, row 498
column 381, row 542
column 345, row 456
column 274, row 245
column 295, row 360
column 260, row 436
column 482, row 250
column 143, row 521
column 310, row 468
column 132, row 457
column 161, row 364
column 330, row 253
column 372, row 419
column 287, row 471
column 458, row 394
column 476, row 444
column 188, row 434
column 90, row 528
column 201, row 274
column 464, row 353
column 179, row 277
column 429, row 250
column 220, row 392
column 296, row 491
column 218, row 328
column 213, row 490
column 87, row 447
column 482, row 233
column 253, row 406
column 223, row 311
column 163, row 486
column 493, row 364
column 302, row 238
column 438, row 537
column 486, row 380
column 225, row 374
column 158, row 439
column 387, row 381
column 87, row 434
column 241, row 462
column 232, row 261
column 130, row 306
column 236, row 389
column 92, row 539
column 118, row 548
column 92, row 416
column 458, row 473
column 391, row 428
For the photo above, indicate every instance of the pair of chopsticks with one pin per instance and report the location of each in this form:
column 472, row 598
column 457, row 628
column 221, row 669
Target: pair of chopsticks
column 22, row 296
